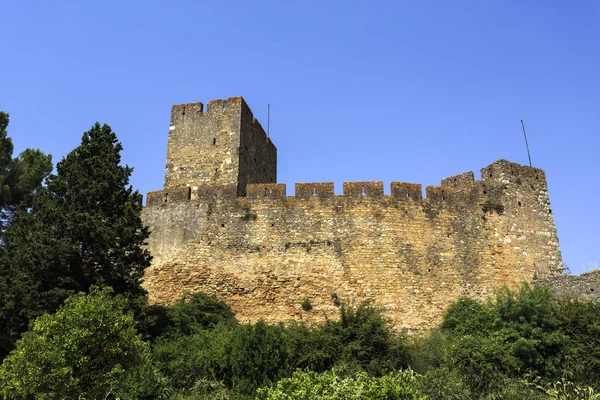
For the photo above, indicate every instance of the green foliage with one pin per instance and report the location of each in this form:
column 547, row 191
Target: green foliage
column 191, row 312
column 244, row 357
column 580, row 321
column 306, row 305
column 240, row 358
column 20, row 177
column 361, row 340
column 367, row 340
column 199, row 357
column 82, row 229
column 517, row 332
column 248, row 215
column 257, row 355
column 88, row 348
column 331, row 385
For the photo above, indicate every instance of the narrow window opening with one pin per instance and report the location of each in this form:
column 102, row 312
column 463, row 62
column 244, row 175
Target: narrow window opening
column 484, row 192
column 222, row 225
column 166, row 197
column 407, row 195
column 362, row 192
column 224, row 106
column 314, row 191
column 272, row 224
column 266, row 192
column 490, row 175
column 443, row 198
column 216, row 170
column 214, row 141
column 519, row 204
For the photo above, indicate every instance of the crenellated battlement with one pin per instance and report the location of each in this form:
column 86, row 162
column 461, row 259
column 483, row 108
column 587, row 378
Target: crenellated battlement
column 223, row 225
column 499, row 179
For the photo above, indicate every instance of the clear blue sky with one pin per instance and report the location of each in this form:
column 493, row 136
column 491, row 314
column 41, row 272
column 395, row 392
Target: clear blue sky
column 360, row 90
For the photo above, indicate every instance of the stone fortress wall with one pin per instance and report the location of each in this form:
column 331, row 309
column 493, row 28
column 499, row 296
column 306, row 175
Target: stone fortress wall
column 222, row 225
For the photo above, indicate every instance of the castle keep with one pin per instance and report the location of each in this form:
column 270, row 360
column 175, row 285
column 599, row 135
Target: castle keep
column 222, row 225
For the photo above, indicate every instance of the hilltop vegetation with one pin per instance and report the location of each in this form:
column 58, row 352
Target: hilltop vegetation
column 75, row 322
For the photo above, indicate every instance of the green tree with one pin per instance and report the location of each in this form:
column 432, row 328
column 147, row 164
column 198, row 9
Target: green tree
column 20, row 177
column 517, row 333
column 84, row 228
column 88, row 348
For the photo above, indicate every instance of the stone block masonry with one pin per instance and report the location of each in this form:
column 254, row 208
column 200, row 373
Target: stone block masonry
column 237, row 235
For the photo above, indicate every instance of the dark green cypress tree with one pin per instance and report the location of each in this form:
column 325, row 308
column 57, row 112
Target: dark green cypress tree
column 84, row 228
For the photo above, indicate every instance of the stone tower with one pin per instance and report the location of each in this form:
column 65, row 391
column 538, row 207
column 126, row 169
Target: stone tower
column 224, row 145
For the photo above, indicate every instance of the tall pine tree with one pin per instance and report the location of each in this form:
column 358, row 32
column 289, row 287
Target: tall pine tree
column 20, row 177
column 84, row 228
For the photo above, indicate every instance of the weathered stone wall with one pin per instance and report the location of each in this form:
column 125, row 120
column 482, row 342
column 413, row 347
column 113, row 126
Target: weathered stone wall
column 265, row 253
column 585, row 286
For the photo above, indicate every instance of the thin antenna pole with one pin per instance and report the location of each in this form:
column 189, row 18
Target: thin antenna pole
column 269, row 120
column 526, row 144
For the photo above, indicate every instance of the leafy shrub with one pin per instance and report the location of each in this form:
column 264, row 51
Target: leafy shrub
column 330, row 385
column 187, row 360
column 517, row 332
column 580, row 321
column 361, row 340
column 567, row 390
column 191, row 312
column 366, row 338
column 257, row 355
column 88, row 348
column 239, row 358
column 306, row 305
column 312, row 348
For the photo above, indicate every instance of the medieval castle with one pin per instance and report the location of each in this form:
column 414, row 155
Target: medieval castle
column 222, row 225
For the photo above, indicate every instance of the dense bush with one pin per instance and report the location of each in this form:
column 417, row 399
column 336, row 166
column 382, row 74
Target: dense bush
column 580, row 321
column 515, row 333
column 242, row 358
column 331, row 385
column 88, row 348
column 362, row 339
column 518, row 345
column 189, row 314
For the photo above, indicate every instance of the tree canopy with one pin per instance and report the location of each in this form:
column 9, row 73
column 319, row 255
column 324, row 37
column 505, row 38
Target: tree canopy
column 20, row 177
column 88, row 349
column 84, row 228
